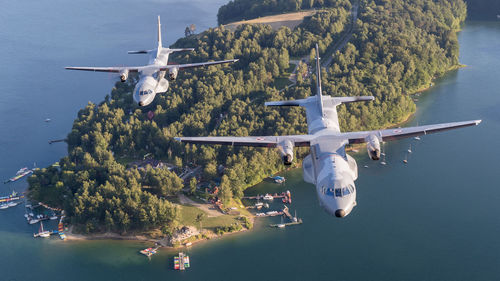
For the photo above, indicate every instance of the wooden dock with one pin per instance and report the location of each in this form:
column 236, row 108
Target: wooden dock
column 60, row 140
column 261, row 197
column 299, row 221
column 293, row 220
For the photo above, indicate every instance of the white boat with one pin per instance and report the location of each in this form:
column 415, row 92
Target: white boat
column 498, row 16
column 409, row 149
column 42, row 233
column 47, row 120
column 383, row 163
column 33, row 221
column 4, row 206
column 259, row 204
column 366, row 166
column 270, row 213
column 260, row 214
column 268, row 197
column 416, row 138
column 12, row 204
column 54, row 217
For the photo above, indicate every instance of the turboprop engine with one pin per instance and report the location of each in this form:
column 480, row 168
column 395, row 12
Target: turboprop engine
column 373, row 147
column 286, row 150
column 124, row 75
column 172, row 73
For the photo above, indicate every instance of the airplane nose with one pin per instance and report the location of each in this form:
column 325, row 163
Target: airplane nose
column 340, row 213
column 141, row 103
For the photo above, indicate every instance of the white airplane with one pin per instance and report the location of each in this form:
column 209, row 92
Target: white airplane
column 328, row 166
column 152, row 79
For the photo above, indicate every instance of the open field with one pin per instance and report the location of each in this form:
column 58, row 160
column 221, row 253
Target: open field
column 291, row 20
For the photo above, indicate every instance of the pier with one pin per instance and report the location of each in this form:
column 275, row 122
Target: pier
column 59, row 140
column 293, row 220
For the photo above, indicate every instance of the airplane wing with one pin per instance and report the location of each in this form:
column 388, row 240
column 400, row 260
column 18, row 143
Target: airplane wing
column 265, row 141
column 106, row 69
column 147, row 67
column 399, row 133
column 191, row 65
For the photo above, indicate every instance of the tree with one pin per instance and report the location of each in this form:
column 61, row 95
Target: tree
column 192, row 185
column 199, row 219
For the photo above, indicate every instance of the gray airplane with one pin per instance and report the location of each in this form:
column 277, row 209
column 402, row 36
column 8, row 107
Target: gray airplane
column 328, row 166
column 152, row 76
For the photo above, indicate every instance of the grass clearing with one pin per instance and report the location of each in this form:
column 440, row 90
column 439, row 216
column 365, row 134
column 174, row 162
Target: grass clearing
column 189, row 214
column 290, row 20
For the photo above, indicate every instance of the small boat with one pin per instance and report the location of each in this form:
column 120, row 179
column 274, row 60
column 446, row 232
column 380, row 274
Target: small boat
column 281, row 225
column 42, row 233
column 62, row 236
column 268, row 197
column 148, row 252
column 366, row 166
column 260, row 214
column 13, row 204
column 416, row 138
column 48, row 120
column 259, row 204
column 4, row 206
column 272, row 213
column 405, row 160
column 21, row 173
column 33, row 221
column 409, row 149
column 279, row 179
column 54, row 217
column 383, row 163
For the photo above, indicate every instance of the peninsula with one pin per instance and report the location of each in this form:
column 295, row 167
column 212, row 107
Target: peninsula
column 112, row 179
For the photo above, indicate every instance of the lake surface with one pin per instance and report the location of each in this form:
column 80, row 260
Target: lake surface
column 435, row 218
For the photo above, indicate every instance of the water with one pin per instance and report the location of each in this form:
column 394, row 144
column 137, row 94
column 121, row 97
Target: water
column 432, row 219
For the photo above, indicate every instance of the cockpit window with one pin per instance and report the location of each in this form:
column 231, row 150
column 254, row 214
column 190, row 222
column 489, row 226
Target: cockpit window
column 345, row 191
column 338, row 192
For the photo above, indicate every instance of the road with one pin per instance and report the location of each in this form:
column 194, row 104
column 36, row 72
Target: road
column 343, row 40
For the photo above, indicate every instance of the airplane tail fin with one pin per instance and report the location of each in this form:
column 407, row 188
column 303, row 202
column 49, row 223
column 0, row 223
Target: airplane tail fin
column 159, row 34
column 319, row 93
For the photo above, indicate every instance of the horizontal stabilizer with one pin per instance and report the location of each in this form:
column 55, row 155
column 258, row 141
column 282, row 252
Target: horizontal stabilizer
column 140, row 52
column 340, row 100
column 180, row 50
column 284, row 103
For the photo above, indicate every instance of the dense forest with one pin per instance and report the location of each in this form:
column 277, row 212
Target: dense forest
column 397, row 48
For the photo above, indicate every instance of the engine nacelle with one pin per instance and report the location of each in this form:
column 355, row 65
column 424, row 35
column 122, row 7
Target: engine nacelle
column 373, row 147
column 286, row 150
column 172, row 73
column 124, row 75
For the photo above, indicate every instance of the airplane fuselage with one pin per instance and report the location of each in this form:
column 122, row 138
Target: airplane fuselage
column 151, row 81
column 333, row 172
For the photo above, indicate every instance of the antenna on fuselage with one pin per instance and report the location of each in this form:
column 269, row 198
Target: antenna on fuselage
column 319, row 93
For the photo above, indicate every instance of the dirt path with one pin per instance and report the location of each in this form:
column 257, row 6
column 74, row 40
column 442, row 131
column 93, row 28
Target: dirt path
column 207, row 208
column 343, row 41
